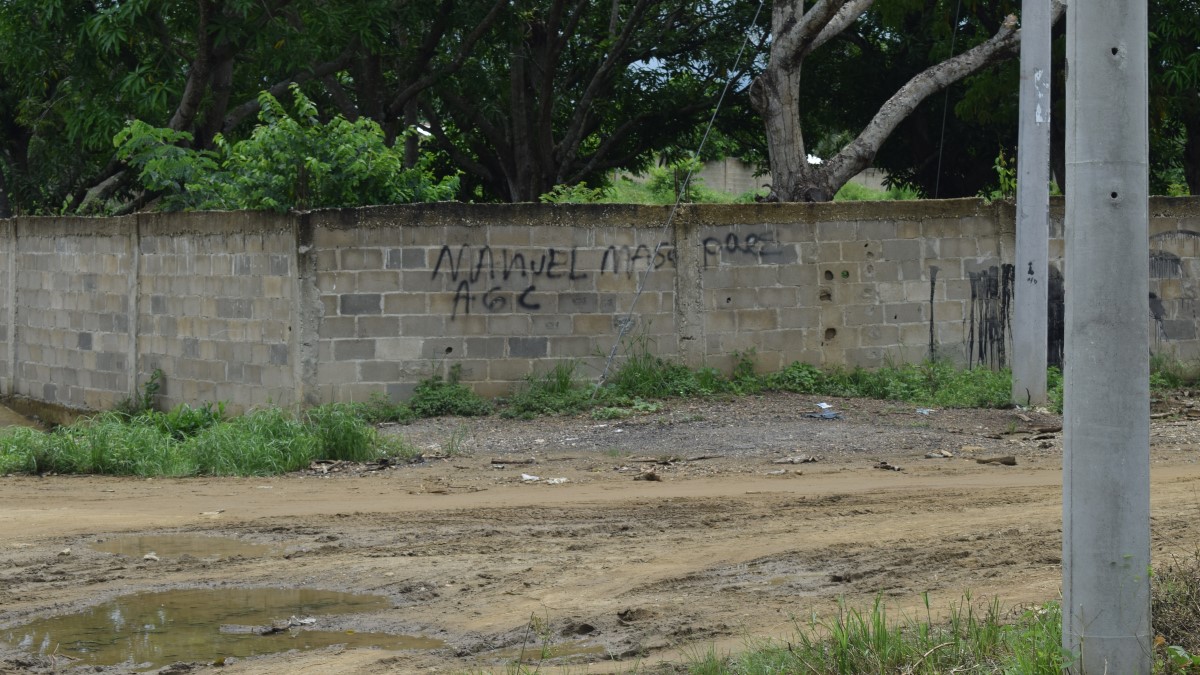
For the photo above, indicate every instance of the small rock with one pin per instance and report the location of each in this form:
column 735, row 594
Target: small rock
column 65, row 551
column 150, row 556
column 887, row 466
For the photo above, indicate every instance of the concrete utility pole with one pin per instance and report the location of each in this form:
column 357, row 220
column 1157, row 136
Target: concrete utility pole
column 1033, row 207
column 1106, row 454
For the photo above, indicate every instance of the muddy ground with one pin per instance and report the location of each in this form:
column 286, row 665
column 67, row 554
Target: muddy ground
column 618, row 572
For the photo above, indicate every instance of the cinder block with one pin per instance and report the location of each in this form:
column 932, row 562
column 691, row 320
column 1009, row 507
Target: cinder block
column 528, row 347
column 902, row 249
column 757, row 319
column 377, row 326
column 836, row 231
column 361, row 303
column 909, row 312
column 398, row 348
column 378, row 281
column 353, row 350
column 360, row 259
column 879, row 336
column 405, row 303
column 860, row 315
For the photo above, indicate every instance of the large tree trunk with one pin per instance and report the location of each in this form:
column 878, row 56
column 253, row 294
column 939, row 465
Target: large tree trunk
column 776, row 95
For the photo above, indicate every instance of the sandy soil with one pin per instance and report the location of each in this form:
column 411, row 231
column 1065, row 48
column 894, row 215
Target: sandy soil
column 727, row 545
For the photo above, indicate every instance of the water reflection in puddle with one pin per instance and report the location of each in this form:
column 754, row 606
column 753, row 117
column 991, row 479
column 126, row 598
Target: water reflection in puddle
column 176, row 545
column 156, row 629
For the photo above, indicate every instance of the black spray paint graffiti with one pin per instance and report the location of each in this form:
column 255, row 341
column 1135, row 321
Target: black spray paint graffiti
column 990, row 315
column 487, row 278
column 760, row 245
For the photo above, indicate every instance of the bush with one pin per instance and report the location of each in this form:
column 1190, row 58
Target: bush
column 555, row 392
column 342, row 434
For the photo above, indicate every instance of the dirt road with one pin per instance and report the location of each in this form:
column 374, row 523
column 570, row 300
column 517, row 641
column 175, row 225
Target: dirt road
column 467, row 548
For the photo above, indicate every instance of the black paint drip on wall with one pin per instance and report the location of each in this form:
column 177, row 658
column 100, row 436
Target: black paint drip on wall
column 1055, row 320
column 933, row 272
column 990, row 316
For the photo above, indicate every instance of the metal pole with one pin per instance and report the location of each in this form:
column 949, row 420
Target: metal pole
column 1033, row 207
column 1106, row 459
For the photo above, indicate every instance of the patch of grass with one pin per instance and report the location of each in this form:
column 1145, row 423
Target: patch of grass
column 1167, row 372
column 855, row 192
column 342, row 434
column 644, row 374
column 437, row 397
column 380, row 409
column 1175, row 603
column 933, row 383
column 972, row 639
column 260, row 443
column 555, row 392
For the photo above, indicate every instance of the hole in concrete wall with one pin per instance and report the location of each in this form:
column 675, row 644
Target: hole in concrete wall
column 828, row 275
column 1113, row 195
column 449, row 349
column 845, row 274
column 830, row 333
column 1115, row 50
column 870, row 255
column 728, row 300
column 826, row 296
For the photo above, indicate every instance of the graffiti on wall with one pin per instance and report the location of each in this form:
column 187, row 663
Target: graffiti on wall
column 759, row 245
column 503, row 279
column 990, row 315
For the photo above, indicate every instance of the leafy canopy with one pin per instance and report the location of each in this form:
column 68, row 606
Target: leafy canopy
column 288, row 161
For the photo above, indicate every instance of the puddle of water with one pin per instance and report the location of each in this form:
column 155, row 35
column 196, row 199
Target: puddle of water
column 155, row 629
column 534, row 653
column 176, row 545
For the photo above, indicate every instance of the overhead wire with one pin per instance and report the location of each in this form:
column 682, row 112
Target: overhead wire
column 626, row 323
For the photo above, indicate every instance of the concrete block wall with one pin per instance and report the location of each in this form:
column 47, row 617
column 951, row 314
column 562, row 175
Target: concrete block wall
column 501, row 292
column 215, row 305
column 306, row 308
column 72, row 309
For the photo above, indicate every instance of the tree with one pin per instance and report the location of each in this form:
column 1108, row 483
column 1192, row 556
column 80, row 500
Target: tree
column 567, row 90
column 777, row 93
column 1174, row 80
column 289, row 161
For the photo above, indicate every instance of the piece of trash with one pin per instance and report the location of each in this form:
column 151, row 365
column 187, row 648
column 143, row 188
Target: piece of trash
column 940, row 454
column 65, row 551
column 827, row 415
column 150, row 556
column 777, row 472
column 212, row 514
column 798, row 459
column 887, row 466
column 1007, row 460
column 529, row 478
column 924, row 411
column 556, row 481
column 648, row 475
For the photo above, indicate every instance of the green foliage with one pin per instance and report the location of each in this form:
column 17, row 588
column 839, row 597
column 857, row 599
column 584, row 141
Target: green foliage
column 380, row 409
column 291, row 160
column 645, row 375
column 555, row 392
column 856, row 192
column 579, row 193
column 435, row 397
column 143, row 398
column 184, row 421
column 933, row 383
column 1005, row 186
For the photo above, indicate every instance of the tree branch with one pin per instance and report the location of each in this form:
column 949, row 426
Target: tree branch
column 859, row 153
column 240, row 113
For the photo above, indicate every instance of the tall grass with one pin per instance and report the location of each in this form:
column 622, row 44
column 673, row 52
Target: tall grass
column 972, row 639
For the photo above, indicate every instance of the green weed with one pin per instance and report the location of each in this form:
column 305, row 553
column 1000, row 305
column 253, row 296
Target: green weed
column 143, row 397
column 555, row 392
column 436, row 397
column 342, row 434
